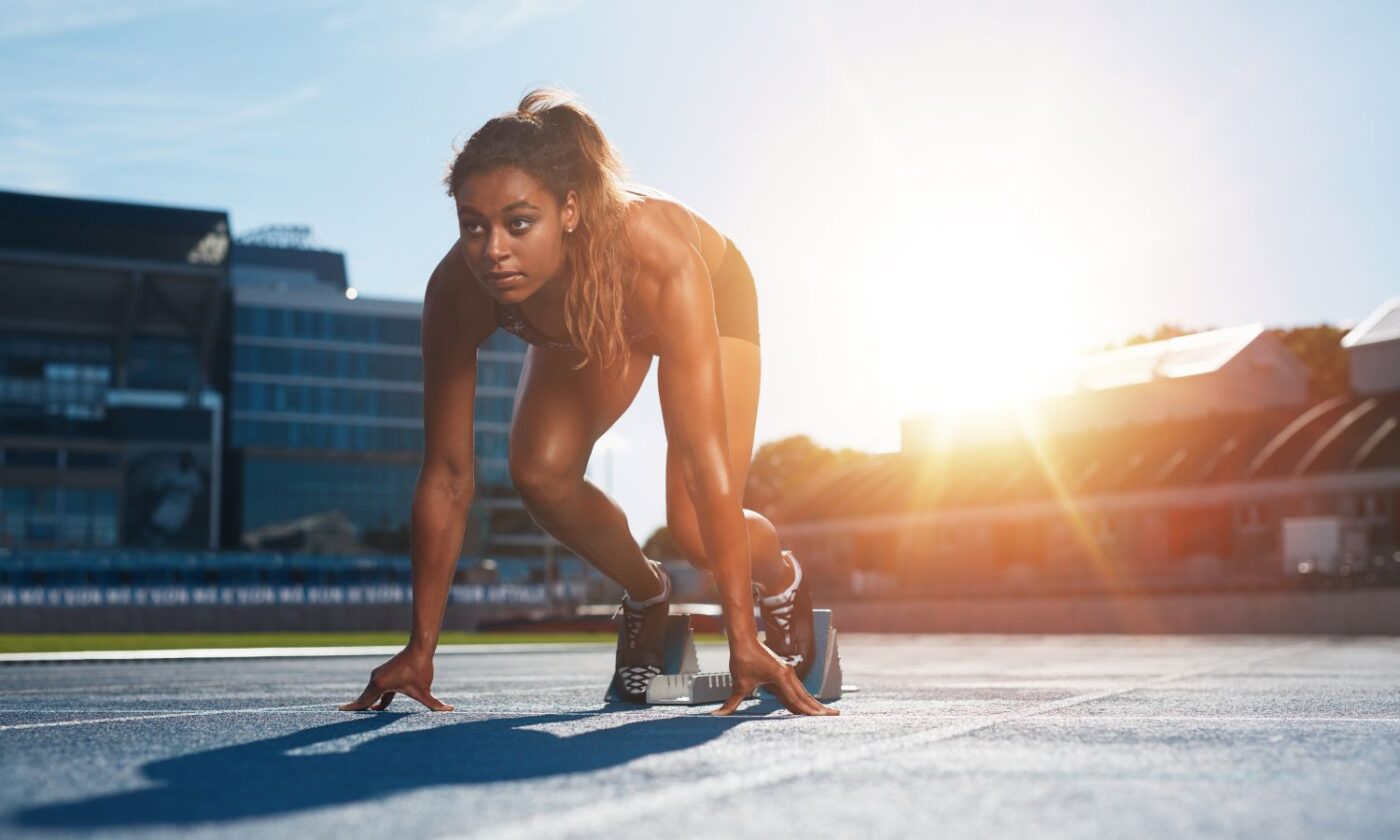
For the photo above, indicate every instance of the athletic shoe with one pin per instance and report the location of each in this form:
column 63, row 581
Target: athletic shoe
column 787, row 620
column 641, row 640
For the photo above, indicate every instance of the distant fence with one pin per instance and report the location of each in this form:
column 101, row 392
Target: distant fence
column 124, row 590
column 279, row 608
column 280, row 595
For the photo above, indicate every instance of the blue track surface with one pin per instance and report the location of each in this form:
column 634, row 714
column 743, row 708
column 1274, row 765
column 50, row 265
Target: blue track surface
column 951, row 736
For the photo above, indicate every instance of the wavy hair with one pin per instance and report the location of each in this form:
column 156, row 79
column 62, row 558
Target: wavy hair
column 554, row 138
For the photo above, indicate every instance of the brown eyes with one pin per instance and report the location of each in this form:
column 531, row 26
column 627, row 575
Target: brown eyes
column 518, row 224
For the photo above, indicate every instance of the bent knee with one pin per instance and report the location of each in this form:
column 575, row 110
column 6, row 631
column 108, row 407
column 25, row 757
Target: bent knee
column 542, row 483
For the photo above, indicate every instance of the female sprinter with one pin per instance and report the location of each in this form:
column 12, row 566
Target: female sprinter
column 598, row 278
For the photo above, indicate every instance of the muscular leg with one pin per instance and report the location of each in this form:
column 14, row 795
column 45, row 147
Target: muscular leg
column 740, row 367
column 559, row 415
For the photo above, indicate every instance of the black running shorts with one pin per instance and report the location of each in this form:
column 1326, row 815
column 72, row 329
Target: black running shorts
column 736, row 299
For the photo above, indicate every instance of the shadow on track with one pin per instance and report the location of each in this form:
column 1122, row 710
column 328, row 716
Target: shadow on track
column 307, row 769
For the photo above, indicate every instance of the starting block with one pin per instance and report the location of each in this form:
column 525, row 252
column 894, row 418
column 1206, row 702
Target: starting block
column 682, row 683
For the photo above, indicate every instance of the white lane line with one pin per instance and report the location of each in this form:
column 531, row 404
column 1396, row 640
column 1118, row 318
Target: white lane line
column 594, row 818
column 149, row 711
column 286, row 652
column 303, row 708
column 156, row 716
column 331, row 707
column 1229, row 718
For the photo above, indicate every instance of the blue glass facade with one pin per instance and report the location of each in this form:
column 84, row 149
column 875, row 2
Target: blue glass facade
column 109, row 418
column 305, row 379
column 54, row 374
column 326, row 408
column 326, row 411
column 271, row 322
column 66, row 517
column 161, row 363
column 375, row 496
column 164, row 387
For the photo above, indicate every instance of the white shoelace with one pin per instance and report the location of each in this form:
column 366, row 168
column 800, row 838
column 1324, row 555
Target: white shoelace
column 779, row 608
column 632, row 612
column 636, row 678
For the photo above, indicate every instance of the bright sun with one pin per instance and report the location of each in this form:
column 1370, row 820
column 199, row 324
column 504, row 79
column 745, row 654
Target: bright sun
column 957, row 237
column 1000, row 304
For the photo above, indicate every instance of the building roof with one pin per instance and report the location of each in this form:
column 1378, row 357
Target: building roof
column 1343, row 434
column 106, row 269
column 1172, row 358
column 1381, row 325
column 75, row 227
column 255, row 264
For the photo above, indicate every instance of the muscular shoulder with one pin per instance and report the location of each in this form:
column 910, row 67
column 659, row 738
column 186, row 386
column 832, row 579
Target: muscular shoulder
column 673, row 287
column 457, row 303
column 661, row 246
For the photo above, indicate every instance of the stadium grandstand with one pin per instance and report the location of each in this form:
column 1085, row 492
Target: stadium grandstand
column 1197, row 461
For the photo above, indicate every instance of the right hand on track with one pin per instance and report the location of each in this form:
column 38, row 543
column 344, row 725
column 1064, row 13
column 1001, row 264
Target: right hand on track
column 409, row 672
column 756, row 665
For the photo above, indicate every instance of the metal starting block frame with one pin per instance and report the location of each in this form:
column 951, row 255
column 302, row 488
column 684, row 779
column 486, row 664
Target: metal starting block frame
column 682, row 683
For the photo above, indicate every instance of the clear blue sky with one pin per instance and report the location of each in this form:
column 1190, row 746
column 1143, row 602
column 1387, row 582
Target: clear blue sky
column 926, row 192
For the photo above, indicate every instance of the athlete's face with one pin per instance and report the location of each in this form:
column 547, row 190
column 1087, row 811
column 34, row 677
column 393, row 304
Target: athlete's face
column 511, row 231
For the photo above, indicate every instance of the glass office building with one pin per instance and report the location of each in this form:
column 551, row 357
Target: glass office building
column 110, row 408
column 325, row 420
column 162, row 386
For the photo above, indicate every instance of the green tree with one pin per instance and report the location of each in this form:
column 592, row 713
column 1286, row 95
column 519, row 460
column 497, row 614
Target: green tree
column 1320, row 349
column 780, row 467
column 1162, row 333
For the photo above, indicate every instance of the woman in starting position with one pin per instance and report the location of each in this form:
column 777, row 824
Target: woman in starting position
column 598, row 277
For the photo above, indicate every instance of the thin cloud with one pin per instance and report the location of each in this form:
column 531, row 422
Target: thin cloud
column 36, row 18
column 31, row 164
column 105, row 100
column 197, row 119
column 262, row 111
column 428, row 27
column 33, row 156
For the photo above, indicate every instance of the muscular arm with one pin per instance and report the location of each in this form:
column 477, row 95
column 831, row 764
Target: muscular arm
column 692, row 405
column 457, row 318
column 455, row 322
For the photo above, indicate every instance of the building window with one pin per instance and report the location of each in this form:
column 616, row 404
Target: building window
column 75, row 525
column 374, row 498
column 161, row 363
column 31, row 457
column 40, row 528
column 83, row 460
column 494, row 409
